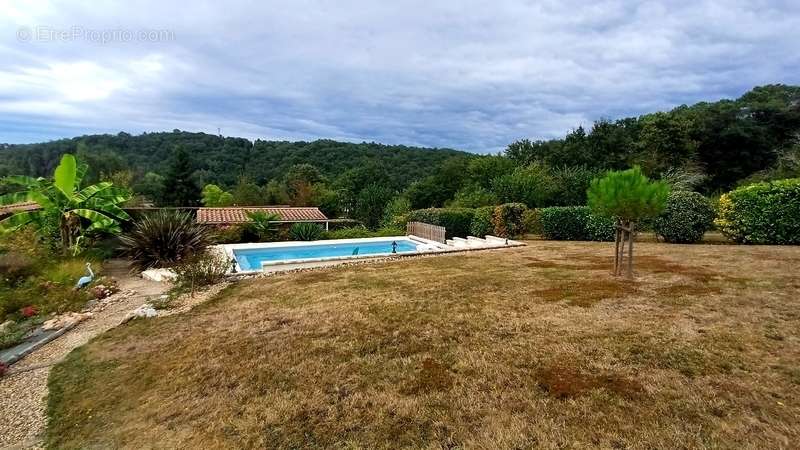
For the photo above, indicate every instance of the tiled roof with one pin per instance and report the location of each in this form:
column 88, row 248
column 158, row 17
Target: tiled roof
column 17, row 207
column 239, row 215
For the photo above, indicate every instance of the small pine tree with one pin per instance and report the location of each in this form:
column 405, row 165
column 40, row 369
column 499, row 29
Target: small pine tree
column 628, row 196
column 179, row 188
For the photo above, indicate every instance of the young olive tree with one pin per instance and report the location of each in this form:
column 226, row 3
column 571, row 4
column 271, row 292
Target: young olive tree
column 628, row 196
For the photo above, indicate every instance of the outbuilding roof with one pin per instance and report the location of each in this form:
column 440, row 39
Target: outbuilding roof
column 230, row 215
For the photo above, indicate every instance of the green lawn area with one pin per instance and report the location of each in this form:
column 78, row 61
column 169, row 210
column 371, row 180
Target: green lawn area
column 528, row 347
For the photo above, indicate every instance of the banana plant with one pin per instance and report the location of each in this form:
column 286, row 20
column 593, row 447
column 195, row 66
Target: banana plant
column 79, row 211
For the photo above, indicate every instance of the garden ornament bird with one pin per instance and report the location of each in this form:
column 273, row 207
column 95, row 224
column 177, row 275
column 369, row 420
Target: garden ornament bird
column 83, row 281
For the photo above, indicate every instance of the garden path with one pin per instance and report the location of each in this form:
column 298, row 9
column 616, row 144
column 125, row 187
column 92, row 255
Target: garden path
column 23, row 390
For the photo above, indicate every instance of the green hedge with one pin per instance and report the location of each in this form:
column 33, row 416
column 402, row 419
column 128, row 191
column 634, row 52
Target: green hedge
column 457, row 221
column 686, row 217
column 508, row 219
column 575, row 223
column 362, row 232
column 482, row 222
column 762, row 213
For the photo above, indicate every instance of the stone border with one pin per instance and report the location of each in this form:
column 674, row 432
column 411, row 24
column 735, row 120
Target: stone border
column 346, row 263
column 30, row 347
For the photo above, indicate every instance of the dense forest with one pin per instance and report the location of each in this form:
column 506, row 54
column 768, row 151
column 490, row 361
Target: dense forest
column 708, row 147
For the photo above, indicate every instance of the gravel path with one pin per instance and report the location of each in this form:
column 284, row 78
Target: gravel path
column 24, row 388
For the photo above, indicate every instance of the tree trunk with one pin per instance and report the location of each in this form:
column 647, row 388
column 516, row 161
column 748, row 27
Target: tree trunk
column 617, row 237
column 630, row 249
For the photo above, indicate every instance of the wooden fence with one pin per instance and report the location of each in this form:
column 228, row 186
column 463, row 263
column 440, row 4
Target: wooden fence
column 426, row 231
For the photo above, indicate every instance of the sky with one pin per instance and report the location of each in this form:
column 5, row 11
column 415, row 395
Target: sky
column 470, row 75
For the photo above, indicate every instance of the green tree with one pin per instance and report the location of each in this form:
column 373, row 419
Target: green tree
column 179, row 187
column 79, row 212
column 372, row 201
column 152, row 187
column 214, row 196
column 247, row 193
column 628, row 196
column 275, row 193
column 532, row 185
column 395, row 212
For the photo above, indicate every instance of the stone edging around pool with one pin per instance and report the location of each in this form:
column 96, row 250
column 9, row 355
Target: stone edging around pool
column 340, row 263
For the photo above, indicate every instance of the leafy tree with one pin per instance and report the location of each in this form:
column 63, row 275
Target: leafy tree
column 483, row 170
column 214, row 196
column 436, row 189
column 473, row 196
column 78, row 211
column 628, row 196
column 372, row 201
column 328, row 201
column 302, row 181
column 665, row 141
column 152, row 187
column 532, row 185
column 180, row 189
column 247, row 193
column 275, row 193
column 395, row 212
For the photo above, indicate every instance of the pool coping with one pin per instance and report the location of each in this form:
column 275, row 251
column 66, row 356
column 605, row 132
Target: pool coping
column 327, row 265
column 230, row 248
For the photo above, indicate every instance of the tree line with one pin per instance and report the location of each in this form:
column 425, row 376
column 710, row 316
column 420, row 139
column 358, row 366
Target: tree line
column 708, row 147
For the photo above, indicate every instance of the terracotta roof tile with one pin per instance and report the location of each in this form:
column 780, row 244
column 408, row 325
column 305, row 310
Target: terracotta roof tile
column 239, row 215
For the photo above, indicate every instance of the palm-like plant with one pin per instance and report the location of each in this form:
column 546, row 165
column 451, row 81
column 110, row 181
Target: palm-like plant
column 79, row 211
column 263, row 225
column 164, row 239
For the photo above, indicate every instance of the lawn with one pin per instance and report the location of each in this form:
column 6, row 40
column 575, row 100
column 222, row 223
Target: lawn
column 529, row 347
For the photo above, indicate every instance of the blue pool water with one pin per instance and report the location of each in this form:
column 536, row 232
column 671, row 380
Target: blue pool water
column 250, row 259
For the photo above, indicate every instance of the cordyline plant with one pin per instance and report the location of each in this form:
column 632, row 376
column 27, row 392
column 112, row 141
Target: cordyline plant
column 77, row 211
column 628, row 196
column 164, row 239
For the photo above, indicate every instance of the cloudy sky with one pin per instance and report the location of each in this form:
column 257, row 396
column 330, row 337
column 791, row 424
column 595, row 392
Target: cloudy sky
column 473, row 75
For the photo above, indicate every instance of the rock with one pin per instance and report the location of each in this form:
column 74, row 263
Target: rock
column 6, row 325
column 64, row 320
column 159, row 275
column 145, row 311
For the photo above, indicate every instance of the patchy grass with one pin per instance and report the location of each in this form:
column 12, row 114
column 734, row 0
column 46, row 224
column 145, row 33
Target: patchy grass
column 527, row 347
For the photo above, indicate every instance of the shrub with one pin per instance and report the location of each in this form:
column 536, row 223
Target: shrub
column 202, row 269
column 507, row 219
column 164, row 239
column 531, row 221
column 233, row 234
column 348, row 233
column 305, row 231
column 29, row 311
column 394, row 216
column 687, row 216
column 261, row 227
column 457, row 221
column 762, row 213
column 575, row 223
column 362, row 232
column 472, row 196
column 482, row 222
column 15, row 267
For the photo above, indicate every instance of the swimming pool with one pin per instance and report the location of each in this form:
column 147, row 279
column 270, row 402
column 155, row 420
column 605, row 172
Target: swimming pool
column 252, row 257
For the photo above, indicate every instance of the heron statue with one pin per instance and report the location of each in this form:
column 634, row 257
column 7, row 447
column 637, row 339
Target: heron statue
column 83, row 281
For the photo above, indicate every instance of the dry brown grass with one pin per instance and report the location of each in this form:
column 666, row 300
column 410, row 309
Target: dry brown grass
column 527, row 347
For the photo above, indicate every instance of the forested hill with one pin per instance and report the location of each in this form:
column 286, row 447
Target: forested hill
column 221, row 160
column 726, row 141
